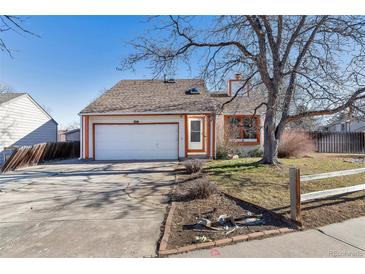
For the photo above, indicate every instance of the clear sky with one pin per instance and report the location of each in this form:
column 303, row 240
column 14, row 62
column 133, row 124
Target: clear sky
column 72, row 62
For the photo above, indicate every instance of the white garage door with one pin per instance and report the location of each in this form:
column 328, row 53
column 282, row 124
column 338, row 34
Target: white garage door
column 136, row 142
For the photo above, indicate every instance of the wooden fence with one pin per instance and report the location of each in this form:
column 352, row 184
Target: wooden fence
column 36, row 154
column 339, row 142
column 296, row 198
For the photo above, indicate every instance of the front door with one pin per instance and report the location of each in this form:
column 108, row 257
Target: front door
column 196, row 134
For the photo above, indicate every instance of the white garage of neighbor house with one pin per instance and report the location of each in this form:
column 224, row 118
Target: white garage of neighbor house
column 23, row 122
column 165, row 120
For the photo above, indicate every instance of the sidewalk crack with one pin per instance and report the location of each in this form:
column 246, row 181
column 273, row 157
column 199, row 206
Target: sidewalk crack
column 338, row 239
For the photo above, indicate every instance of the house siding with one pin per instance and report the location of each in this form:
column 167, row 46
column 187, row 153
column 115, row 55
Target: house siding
column 24, row 123
column 73, row 136
column 351, row 126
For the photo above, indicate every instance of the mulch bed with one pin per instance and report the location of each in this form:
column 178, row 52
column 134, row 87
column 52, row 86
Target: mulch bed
column 187, row 212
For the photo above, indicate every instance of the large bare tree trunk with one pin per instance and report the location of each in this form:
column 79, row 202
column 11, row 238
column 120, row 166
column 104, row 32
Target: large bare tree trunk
column 270, row 142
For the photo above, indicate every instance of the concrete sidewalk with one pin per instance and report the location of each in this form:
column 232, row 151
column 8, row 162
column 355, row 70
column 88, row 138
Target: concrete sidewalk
column 345, row 239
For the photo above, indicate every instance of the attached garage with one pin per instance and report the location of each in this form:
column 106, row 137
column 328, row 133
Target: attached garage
column 142, row 141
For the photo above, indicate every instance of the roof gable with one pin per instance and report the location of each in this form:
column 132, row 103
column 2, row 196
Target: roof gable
column 8, row 97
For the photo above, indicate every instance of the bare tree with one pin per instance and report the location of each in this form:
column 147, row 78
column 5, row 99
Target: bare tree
column 313, row 61
column 14, row 24
column 4, row 88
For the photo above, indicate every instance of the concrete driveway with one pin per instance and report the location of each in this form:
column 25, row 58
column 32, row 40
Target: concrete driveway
column 79, row 209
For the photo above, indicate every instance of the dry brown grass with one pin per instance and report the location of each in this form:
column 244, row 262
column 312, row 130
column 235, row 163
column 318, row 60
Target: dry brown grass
column 268, row 186
column 295, row 144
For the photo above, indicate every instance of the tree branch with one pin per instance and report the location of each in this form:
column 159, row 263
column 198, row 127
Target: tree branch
column 359, row 94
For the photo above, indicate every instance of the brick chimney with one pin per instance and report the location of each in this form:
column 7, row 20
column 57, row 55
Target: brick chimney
column 238, row 76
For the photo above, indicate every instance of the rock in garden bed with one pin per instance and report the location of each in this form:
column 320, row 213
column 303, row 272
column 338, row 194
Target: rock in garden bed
column 203, row 214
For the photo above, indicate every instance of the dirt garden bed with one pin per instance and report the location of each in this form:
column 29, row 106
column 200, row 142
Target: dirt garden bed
column 184, row 233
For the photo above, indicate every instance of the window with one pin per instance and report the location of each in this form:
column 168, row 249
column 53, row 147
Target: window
column 195, row 131
column 244, row 129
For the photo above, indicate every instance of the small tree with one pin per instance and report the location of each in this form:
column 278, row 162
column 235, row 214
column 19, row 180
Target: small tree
column 6, row 88
column 316, row 61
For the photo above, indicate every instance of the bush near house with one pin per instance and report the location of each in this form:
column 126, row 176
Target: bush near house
column 295, row 144
column 193, row 166
column 202, row 189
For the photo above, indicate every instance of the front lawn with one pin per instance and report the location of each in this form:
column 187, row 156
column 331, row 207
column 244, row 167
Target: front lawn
column 268, row 186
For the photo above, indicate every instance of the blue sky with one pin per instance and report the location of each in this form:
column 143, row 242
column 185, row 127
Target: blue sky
column 73, row 61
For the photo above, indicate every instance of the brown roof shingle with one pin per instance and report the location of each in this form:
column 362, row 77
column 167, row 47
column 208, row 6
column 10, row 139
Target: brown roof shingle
column 241, row 104
column 134, row 96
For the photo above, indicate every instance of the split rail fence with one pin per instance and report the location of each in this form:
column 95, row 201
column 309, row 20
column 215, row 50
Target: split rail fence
column 36, row 154
column 296, row 197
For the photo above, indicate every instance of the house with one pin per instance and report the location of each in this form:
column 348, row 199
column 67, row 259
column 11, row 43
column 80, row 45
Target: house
column 68, row 135
column 23, row 122
column 173, row 119
column 346, row 123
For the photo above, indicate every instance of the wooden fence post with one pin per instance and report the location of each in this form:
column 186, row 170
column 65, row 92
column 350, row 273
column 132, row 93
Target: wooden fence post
column 294, row 184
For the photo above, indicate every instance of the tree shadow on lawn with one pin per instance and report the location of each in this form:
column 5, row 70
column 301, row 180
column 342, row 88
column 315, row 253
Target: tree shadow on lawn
column 229, row 179
column 217, row 170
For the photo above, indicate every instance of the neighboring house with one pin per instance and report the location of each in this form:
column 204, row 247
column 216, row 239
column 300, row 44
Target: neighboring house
column 24, row 122
column 68, row 135
column 175, row 119
column 343, row 123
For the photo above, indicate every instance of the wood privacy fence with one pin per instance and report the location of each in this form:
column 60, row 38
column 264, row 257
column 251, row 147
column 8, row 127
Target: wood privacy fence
column 339, row 142
column 296, row 197
column 33, row 155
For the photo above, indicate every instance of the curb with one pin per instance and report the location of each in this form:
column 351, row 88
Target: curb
column 166, row 234
column 240, row 238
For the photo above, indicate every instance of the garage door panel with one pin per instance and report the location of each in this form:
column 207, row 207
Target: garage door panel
column 136, row 142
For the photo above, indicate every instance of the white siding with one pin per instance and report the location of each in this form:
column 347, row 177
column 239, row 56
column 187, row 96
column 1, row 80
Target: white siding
column 24, row 123
column 351, row 126
column 73, row 136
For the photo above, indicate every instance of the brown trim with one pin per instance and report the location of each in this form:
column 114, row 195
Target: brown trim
column 204, row 149
column 214, row 140
column 258, row 130
column 136, row 124
column 86, row 137
column 208, row 136
column 186, row 134
column 93, row 141
column 142, row 114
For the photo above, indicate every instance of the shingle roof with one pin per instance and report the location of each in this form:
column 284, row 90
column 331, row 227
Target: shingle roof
column 131, row 96
column 4, row 97
column 241, row 104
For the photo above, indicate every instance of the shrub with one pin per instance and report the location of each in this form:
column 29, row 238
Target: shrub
column 193, row 166
column 201, row 189
column 222, row 153
column 295, row 144
column 257, row 152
